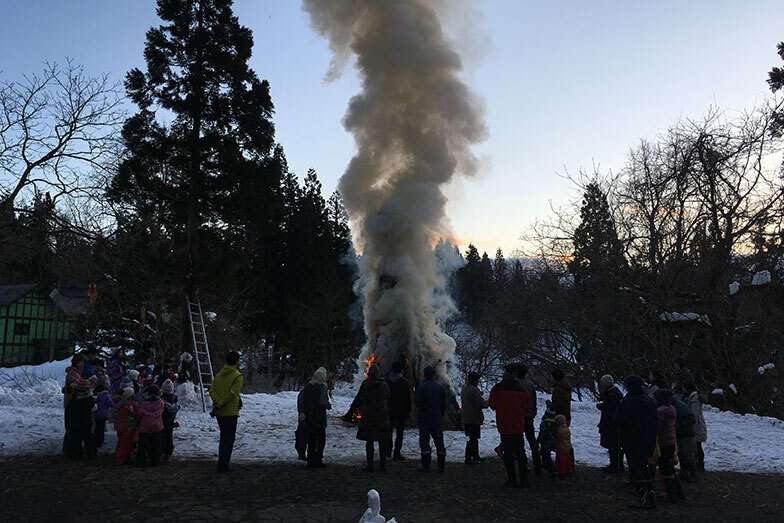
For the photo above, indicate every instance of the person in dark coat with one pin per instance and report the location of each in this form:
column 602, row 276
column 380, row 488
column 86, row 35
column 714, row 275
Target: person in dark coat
column 637, row 421
column 372, row 400
column 313, row 402
column 562, row 395
column 510, row 403
column 399, row 407
column 608, row 428
column 655, row 382
column 430, row 400
column 473, row 417
column 686, row 442
column 682, row 376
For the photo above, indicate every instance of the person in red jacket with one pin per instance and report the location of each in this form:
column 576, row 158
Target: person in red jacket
column 510, row 403
column 126, row 422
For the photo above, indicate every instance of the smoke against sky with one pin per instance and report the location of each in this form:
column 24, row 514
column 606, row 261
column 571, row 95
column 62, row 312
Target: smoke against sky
column 414, row 123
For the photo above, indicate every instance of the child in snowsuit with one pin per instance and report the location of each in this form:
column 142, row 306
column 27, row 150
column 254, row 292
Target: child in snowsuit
column 665, row 432
column 150, row 427
column 564, row 466
column 170, row 409
column 104, row 403
column 126, row 421
column 548, row 438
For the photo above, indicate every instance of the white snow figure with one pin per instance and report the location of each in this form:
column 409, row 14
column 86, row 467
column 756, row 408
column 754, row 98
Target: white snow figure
column 373, row 512
column 414, row 124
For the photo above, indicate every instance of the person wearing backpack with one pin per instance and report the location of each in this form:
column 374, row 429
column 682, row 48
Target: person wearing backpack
column 686, row 440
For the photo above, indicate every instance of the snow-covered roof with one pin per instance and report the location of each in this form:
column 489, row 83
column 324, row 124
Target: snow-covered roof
column 685, row 316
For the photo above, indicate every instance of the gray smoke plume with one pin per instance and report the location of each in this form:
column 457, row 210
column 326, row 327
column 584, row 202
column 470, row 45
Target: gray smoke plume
column 414, row 123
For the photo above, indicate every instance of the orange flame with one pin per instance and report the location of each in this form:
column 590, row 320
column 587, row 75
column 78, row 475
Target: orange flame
column 370, row 362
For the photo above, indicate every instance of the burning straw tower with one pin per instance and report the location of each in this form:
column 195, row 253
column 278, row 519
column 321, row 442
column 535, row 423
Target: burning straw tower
column 414, row 123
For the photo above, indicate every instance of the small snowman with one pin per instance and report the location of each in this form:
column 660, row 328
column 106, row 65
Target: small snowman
column 373, row 512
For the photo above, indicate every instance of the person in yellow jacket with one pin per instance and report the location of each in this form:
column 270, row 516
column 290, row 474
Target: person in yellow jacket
column 564, row 466
column 226, row 405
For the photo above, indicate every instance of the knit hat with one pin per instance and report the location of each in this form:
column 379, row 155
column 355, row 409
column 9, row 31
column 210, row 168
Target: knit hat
column 550, row 412
column 133, row 374
column 374, row 372
column 127, row 393
column 168, row 387
column 152, row 391
column 606, row 382
column 430, row 372
column 560, row 419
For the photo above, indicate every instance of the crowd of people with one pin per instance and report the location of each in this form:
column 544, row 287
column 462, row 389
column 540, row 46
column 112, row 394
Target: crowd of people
column 654, row 426
column 136, row 397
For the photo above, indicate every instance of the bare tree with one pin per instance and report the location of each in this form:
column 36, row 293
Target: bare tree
column 57, row 129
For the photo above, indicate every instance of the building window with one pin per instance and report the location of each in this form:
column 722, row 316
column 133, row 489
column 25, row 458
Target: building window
column 21, row 329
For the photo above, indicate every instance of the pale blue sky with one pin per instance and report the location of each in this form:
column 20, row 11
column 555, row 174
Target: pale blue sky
column 567, row 84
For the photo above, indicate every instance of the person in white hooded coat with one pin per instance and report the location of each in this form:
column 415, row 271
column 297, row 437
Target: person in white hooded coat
column 691, row 397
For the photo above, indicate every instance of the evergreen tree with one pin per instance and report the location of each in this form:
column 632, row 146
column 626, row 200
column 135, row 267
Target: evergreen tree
column 189, row 173
column 597, row 250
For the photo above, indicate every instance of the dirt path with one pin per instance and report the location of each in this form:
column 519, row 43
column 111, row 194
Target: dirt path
column 56, row 489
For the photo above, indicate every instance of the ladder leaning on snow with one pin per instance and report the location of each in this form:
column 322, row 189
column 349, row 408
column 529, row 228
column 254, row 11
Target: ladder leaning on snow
column 200, row 349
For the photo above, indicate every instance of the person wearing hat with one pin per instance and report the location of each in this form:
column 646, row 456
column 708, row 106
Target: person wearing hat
column 637, row 421
column 150, row 427
column 372, row 400
column 430, row 400
column 471, row 411
column 171, row 407
column 115, row 369
column 608, row 428
column 313, row 403
column 548, row 439
column 126, row 422
column 226, row 402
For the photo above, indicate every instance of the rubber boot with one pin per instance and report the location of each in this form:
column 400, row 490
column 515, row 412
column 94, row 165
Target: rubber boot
column 510, row 473
column 475, row 452
column 398, row 447
column 679, row 489
column 672, row 496
column 441, row 461
column 523, row 466
column 537, row 461
column 426, row 457
column 369, row 451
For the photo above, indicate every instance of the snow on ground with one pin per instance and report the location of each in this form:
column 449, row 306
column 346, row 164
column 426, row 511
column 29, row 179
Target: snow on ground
column 31, row 422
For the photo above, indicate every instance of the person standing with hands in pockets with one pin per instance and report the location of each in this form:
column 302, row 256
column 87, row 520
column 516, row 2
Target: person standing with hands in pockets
column 226, row 401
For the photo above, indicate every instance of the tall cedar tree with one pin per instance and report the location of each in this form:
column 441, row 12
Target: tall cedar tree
column 776, row 82
column 597, row 250
column 191, row 171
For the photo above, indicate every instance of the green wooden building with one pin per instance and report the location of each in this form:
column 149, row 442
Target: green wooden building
column 27, row 322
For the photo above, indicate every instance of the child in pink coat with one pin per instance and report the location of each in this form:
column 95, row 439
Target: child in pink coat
column 150, row 427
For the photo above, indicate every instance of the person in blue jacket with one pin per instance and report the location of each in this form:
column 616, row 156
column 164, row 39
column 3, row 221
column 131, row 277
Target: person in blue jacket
column 430, row 400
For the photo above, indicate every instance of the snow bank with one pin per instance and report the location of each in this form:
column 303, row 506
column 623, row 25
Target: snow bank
column 25, row 377
column 761, row 278
column 766, row 367
column 31, row 422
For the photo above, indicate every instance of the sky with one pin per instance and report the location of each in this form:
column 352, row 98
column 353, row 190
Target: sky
column 567, row 85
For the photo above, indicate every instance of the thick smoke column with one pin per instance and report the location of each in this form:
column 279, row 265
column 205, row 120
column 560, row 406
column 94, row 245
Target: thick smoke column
column 414, row 123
